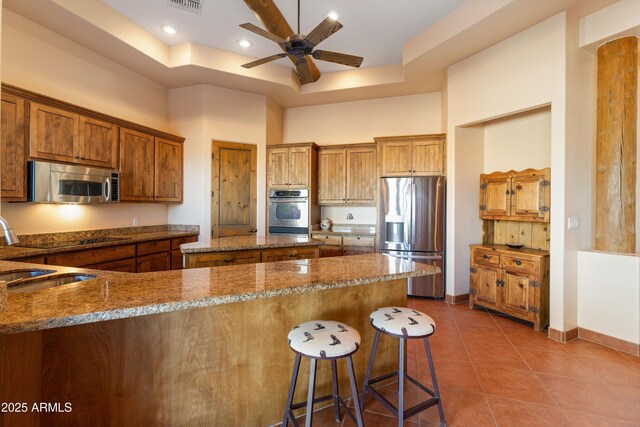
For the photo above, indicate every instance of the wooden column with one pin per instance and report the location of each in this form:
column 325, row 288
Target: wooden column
column 616, row 145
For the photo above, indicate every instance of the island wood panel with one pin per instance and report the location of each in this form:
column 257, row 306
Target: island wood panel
column 98, row 143
column 168, row 171
column 54, row 133
column 136, row 166
column 12, row 149
column 332, row 176
column 221, row 365
column 362, row 176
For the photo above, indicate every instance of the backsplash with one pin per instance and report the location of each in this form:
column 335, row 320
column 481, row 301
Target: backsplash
column 359, row 214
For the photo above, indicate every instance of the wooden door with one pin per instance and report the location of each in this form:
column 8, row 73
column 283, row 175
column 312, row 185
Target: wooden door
column 530, row 198
column 136, row 166
column 299, row 165
column 427, row 157
column 396, row 158
column 332, row 176
column 362, row 176
column 12, row 149
column 233, row 184
column 53, row 134
column 277, row 167
column 168, row 170
column 98, row 143
column 518, row 292
column 495, row 195
column 485, row 283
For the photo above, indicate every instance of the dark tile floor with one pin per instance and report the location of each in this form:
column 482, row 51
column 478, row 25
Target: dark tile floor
column 494, row 370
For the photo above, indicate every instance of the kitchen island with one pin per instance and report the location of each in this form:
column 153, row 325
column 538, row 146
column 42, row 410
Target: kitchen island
column 193, row 347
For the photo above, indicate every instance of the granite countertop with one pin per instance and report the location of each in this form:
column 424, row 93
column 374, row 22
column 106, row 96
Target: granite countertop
column 348, row 230
column 244, row 243
column 125, row 236
column 114, row 295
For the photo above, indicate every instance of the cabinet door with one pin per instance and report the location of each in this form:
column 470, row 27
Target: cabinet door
column 362, row 176
column 485, row 283
column 495, row 195
column 428, row 157
column 154, row 262
column 332, row 176
column 299, row 163
column 330, row 250
column 168, row 171
column 518, row 294
column 278, row 167
column 12, row 149
column 98, row 143
column 396, row 158
column 53, row 134
column 136, row 166
column 530, row 197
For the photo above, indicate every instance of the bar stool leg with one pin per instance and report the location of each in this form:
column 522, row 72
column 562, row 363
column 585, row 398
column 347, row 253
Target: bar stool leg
column 292, row 388
column 401, row 375
column 354, row 392
column 436, row 391
column 311, row 394
column 369, row 366
column 336, row 393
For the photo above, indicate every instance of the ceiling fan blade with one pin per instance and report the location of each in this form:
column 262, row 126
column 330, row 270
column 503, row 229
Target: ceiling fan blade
column 304, row 71
column 263, row 60
column 339, row 58
column 323, row 30
column 271, row 18
column 266, row 34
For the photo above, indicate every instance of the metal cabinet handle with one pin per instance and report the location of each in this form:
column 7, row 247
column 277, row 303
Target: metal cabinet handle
column 517, row 262
column 485, row 256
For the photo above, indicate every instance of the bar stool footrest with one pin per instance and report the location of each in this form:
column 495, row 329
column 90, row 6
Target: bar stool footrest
column 341, row 402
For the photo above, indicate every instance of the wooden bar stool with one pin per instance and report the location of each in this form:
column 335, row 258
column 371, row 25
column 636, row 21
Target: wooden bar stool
column 403, row 323
column 324, row 340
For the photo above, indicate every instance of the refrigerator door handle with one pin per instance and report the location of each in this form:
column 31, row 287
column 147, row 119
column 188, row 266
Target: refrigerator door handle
column 416, row 257
column 413, row 212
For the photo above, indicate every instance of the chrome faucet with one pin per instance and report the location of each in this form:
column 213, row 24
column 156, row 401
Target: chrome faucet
column 9, row 235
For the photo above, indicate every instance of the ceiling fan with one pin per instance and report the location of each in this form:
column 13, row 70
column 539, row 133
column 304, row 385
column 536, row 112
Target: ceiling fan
column 298, row 47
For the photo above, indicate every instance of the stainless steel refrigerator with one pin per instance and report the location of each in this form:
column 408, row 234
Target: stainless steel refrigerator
column 412, row 216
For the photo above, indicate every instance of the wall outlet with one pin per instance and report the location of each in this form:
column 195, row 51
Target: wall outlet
column 573, row 222
column 349, row 216
column 136, row 221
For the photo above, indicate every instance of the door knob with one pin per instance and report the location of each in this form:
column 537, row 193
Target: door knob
column 253, row 230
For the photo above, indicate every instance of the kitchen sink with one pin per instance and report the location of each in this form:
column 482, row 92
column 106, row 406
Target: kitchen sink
column 23, row 274
column 39, row 283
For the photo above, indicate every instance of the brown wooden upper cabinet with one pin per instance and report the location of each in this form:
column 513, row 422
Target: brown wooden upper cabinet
column 347, row 175
column 13, row 146
column 64, row 136
column 168, row 171
column 417, row 155
column 516, row 196
column 290, row 165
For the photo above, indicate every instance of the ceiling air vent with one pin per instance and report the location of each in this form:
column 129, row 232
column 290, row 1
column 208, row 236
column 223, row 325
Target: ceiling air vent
column 193, row 6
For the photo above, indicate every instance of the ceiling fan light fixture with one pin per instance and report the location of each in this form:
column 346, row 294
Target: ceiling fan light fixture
column 169, row 30
column 244, row 43
column 333, row 15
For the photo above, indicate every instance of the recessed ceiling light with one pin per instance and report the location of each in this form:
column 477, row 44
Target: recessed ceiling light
column 169, row 29
column 244, row 43
column 333, row 15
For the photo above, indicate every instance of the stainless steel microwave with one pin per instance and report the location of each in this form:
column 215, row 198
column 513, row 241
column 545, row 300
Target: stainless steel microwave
column 59, row 183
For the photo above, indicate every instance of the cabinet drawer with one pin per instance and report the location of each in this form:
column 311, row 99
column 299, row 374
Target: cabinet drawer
column 92, row 256
column 328, row 240
column 175, row 243
column 486, row 257
column 518, row 263
column 154, row 247
column 124, row 265
column 358, row 241
column 220, row 259
column 33, row 259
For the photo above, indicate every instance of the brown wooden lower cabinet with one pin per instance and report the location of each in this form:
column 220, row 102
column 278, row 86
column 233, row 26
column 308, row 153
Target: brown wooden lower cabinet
column 88, row 257
column 220, row 259
column 330, row 250
column 288, row 254
column 127, row 265
column 515, row 282
column 344, row 245
column 33, row 259
column 154, row 262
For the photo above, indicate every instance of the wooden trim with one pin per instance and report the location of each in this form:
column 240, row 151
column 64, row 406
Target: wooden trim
column 53, row 102
column 345, row 146
column 457, row 299
column 405, row 138
column 295, row 144
column 609, row 341
column 563, row 336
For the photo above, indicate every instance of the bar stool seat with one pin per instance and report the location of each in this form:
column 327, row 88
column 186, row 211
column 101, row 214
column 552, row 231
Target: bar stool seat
column 324, row 339
column 402, row 322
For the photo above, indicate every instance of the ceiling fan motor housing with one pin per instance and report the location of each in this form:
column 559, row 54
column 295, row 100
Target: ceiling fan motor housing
column 297, row 45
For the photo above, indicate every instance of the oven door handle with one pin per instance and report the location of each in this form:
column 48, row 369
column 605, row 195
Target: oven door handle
column 288, row 201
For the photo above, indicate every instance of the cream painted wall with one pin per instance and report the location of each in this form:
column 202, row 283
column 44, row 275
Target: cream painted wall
column 361, row 121
column 361, row 214
column 518, row 142
column 40, row 60
column 274, row 122
column 522, row 73
column 204, row 113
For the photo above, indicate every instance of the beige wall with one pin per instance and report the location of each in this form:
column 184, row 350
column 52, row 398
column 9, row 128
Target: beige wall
column 274, row 122
column 361, row 121
column 205, row 113
column 40, row 60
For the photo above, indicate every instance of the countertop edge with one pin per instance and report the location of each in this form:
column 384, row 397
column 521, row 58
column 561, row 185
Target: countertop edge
column 203, row 250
